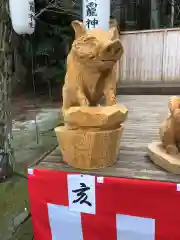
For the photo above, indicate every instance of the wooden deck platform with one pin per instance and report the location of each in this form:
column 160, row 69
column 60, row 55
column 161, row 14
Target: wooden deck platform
column 145, row 115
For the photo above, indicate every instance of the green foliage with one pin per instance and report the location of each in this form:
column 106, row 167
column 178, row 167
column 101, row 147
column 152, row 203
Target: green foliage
column 45, row 52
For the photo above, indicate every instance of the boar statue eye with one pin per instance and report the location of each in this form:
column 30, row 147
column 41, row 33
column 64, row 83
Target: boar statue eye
column 91, row 57
column 116, row 50
column 108, row 50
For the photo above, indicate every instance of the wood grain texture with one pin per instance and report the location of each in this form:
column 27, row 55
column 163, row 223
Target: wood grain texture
column 159, row 156
column 140, row 129
column 89, row 149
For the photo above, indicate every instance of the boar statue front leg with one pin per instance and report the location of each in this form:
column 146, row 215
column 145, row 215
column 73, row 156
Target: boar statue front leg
column 168, row 140
column 110, row 97
column 110, row 89
column 82, row 99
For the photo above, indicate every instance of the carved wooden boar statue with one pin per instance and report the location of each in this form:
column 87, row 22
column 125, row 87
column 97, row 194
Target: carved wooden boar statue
column 91, row 70
column 170, row 129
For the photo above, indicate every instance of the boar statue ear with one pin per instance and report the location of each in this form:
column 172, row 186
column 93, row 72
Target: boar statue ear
column 79, row 28
column 174, row 103
column 113, row 34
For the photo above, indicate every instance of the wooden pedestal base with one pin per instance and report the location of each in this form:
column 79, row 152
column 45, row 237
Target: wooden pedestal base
column 89, row 149
column 158, row 155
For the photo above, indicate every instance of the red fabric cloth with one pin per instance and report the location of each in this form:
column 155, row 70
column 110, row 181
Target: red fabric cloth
column 147, row 199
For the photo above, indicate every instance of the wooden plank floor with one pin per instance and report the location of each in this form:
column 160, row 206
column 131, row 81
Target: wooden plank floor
column 145, row 115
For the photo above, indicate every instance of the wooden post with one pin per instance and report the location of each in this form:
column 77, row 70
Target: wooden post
column 172, row 12
column 5, row 91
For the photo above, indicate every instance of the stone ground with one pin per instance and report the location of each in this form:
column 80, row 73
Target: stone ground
column 33, row 136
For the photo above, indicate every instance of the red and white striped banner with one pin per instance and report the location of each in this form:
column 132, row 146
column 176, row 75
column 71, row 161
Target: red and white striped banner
column 114, row 208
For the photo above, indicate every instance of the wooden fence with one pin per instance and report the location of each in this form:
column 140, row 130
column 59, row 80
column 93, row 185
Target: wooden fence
column 150, row 55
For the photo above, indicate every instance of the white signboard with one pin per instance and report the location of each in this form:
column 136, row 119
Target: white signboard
column 81, row 193
column 96, row 14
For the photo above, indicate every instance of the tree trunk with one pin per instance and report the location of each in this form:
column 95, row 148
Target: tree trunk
column 5, row 91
